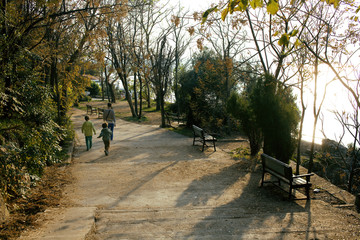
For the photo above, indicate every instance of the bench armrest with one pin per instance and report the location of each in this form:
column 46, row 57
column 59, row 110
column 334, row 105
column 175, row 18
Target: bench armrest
column 212, row 134
column 308, row 175
column 303, row 175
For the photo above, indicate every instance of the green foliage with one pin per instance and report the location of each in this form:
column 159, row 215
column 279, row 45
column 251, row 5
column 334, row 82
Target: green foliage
column 94, row 89
column 277, row 114
column 84, row 98
column 29, row 137
column 240, row 153
column 183, row 131
column 240, row 107
column 203, row 91
column 272, row 7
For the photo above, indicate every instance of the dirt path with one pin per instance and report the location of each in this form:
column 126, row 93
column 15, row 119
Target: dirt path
column 155, row 185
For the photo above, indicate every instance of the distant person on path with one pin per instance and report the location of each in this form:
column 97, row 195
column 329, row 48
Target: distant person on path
column 106, row 135
column 88, row 129
column 109, row 118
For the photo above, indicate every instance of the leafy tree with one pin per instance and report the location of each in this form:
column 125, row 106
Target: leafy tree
column 187, row 83
column 30, row 138
column 203, row 90
column 42, row 59
column 315, row 25
column 240, row 107
column 278, row 116
column 94, row 89
column 227, row 38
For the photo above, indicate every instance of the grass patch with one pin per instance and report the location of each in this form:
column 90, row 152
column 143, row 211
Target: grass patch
column 135, row 119
column 183, row 131
column 240, row 153
column 150, row 109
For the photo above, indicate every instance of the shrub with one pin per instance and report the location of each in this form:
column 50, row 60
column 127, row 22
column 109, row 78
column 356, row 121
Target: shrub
column 203, row 91
column 239, row 106
column 94, row 89
column 30, row 139
column 278, row 116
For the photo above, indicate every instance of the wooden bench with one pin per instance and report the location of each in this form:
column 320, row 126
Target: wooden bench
column 90, row 110
column 283, row 172
column 100, row 112
column 201, row 136
column 172, row 117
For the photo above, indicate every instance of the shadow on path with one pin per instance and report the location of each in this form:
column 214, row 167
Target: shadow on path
column 250, row 215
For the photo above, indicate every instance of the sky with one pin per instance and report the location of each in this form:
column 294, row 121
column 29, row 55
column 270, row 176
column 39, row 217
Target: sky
column 195, row 5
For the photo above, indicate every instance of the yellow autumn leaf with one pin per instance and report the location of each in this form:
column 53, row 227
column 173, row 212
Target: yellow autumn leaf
column 294, row 32
column 332, row 2
column 297, row 43
column 224, row 13
column 231, row 5
column 256, row 3
column 272, row 7
column 244, row 3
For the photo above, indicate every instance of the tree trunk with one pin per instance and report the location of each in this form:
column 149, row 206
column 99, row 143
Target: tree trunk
column 353, row 165
column 158, row 100
column 162, row 106
column 102, row 85
column 316, row 115
column 135, row 96
column 140, row 96
column 298, row 156
column 148, row 95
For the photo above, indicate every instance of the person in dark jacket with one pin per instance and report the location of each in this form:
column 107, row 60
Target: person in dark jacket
column 106, row 135
column 109, row 118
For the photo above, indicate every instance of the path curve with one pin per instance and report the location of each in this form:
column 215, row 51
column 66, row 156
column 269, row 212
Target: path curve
column 155, row 185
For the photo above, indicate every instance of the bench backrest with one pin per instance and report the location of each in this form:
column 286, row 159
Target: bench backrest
column 276, row 167
column 198, row 131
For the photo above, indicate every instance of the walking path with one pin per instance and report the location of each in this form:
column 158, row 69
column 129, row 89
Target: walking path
column 155, row 185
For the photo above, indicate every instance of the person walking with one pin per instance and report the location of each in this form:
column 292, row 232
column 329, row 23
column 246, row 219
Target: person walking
column 88, row 129
column 106, row 135
column 109, row 118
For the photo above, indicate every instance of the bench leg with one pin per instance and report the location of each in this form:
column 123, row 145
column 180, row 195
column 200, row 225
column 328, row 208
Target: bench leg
column 203, row 146
column 262, row 179
column 214, row 146
column 307, row 189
